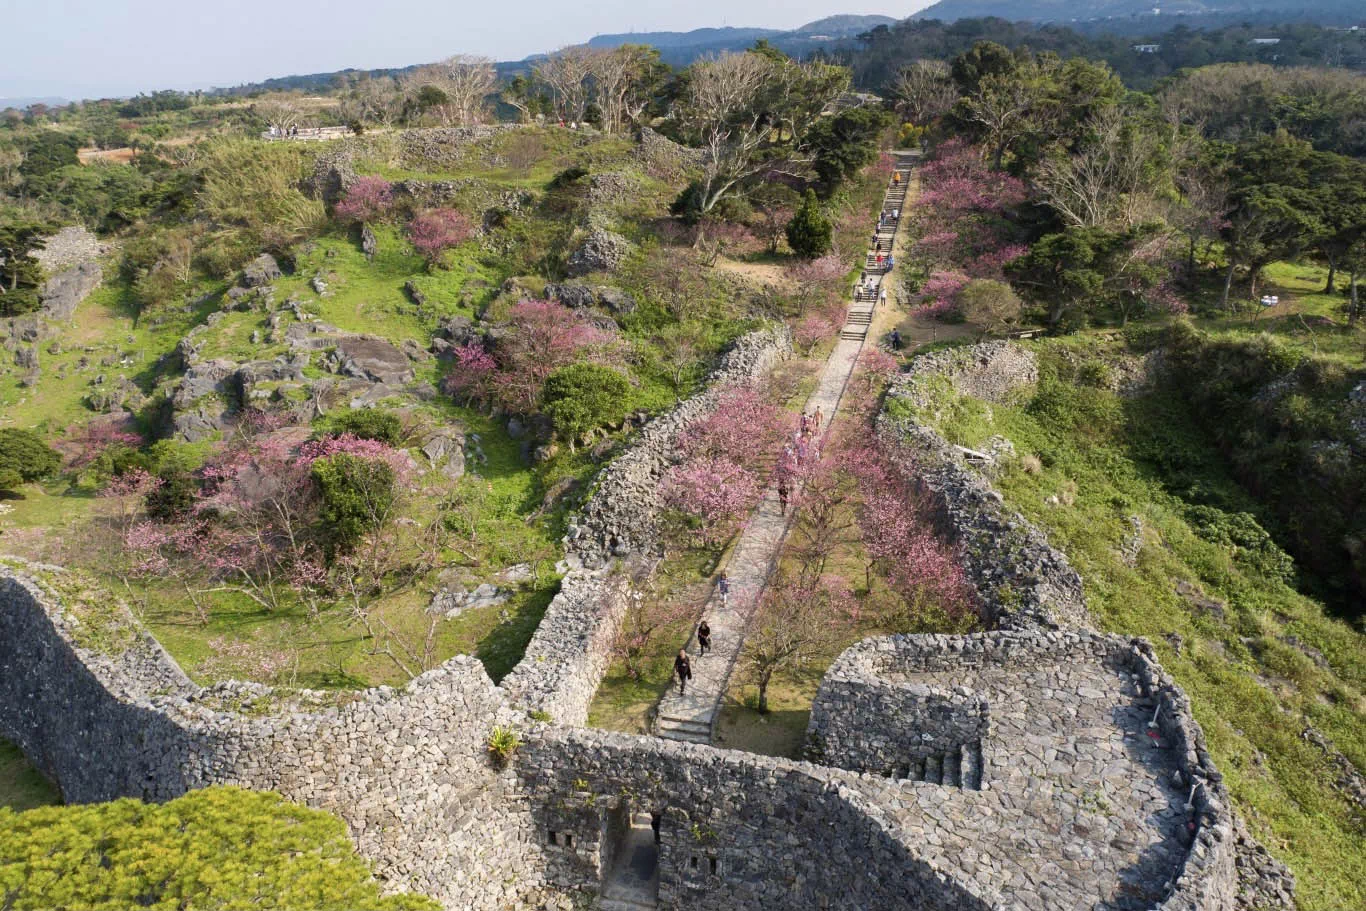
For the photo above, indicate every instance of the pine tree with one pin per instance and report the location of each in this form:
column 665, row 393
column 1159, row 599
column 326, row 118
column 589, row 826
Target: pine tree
column 809, row 232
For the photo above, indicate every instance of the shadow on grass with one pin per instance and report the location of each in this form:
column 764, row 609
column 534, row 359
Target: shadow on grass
column 504, row 646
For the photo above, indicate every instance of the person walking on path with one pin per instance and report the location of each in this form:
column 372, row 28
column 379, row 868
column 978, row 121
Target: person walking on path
column 882, row 297
column 683, row 668
column 703, row 638
column 896, row 178
column 820, row 418
column 723, row 589
column 783, row 493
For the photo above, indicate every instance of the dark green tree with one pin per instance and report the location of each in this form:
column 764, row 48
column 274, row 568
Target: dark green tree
column 24, row 457
column 358, row 495
column 844, row 143
column 580, row 398
column 809, row 233
column 20, row 274
column 368, row 424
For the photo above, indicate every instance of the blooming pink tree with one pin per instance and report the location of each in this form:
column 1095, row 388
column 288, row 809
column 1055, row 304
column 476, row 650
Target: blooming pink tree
column 435, row 231
column 86, row 444
column 541, row 337
column 939, row 295
column 745, row 428
column 713, row 495
column 471, row 376
column 368, row 199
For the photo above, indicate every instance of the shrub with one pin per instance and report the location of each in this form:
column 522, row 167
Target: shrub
column 357, row 496
column 503, row 742
column 809, row 233
column 581, row 398
column 992, row 305
column 1250, row 544
column 367, row 199
column 368, row 424
column 174, row 497
column 24, row 455
column 214, row 848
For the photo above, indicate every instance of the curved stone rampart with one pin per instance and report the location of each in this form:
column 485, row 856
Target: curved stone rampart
column 622, row 517
column 1062, row 685
column 1021, row 580
column 102, row 711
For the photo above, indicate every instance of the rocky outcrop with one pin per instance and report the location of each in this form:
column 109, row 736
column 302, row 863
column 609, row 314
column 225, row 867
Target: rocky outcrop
column 70, row 247
column 375, row 359
column 601, row 251
column 261, row 271
column 577, row 297
column 62, row 293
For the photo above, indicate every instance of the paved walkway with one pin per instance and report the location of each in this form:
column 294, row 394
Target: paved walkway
column 692, row 716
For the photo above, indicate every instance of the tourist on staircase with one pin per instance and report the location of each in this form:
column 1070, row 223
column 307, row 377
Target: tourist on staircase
column 683, row 668
column 703, row 638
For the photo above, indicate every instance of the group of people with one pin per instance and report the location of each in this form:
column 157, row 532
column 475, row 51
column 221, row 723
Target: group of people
column 682, row 663
column 287, row 132
column 797, row 453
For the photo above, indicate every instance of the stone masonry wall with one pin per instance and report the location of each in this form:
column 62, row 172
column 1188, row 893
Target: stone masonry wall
column 841, row 716
column 571, row 649
column 737, row 830
column 1020, row 579
column 405, row 769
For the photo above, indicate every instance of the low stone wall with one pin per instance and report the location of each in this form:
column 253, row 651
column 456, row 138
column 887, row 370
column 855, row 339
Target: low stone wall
column 736, row 830
column 405, row 769
column 1021, row 580
column 872, row 725
column 622, row 516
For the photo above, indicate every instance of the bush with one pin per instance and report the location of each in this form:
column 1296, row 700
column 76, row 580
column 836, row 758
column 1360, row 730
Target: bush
column 368, row 424
column 1251, row 545
column 174, row 497
column 809, row 233
column 214, row 848
column 581, row 398
column 25, row 456
column 992, row 305
column 357, row 495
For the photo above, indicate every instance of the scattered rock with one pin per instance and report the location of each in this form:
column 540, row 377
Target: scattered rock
column 374, row 359
column 368, row 244
column 451, row 603
column 601, row 251
column 261, row 271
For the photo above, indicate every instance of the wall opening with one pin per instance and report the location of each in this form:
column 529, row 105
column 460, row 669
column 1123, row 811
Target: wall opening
column 631, row 857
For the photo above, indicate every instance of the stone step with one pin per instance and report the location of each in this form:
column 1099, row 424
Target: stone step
column 952, row 768
column 684, row 736
column 684, row 724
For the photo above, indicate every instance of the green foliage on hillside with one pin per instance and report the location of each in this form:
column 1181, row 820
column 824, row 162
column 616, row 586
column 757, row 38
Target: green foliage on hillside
column 215, row 848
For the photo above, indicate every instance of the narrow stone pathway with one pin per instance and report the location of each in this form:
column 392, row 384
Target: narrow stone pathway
column 633, row 881
column 692, row 715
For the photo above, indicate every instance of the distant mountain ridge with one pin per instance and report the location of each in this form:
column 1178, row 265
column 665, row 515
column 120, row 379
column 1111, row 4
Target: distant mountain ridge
column 681, row 48
column 1167, row 12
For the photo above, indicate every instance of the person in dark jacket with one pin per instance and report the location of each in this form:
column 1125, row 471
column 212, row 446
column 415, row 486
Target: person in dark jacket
column 683, row 668
column 703, row 638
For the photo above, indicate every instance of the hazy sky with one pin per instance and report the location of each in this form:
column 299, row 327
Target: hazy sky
column 100, row 48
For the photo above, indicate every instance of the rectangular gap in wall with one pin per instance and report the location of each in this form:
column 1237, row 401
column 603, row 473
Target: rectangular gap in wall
column 693, row 862
column 553, row 839
column 568, row 840
column 714, row 865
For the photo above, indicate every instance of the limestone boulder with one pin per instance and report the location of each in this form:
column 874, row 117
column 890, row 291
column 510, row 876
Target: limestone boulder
column 601, row 251
column 63, row 293
column 261, row 271
column 373, row 359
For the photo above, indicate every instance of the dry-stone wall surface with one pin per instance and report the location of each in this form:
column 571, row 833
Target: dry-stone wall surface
column 736, row 830
column 1020, row 579
column 1108, row 806
column 406, row 769
column 571, row 649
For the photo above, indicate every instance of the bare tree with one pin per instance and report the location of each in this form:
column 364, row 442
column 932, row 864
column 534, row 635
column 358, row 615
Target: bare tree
column 566, row 72
column 924, row 90
column 1110, row 181
column 378, row 101
column 279, row 113
column 618, row 75
column 795, row 626
column 1000, row 106
column 466, row 81
column 724, row 103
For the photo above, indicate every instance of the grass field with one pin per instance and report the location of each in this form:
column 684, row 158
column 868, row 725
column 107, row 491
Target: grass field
column 21, row 787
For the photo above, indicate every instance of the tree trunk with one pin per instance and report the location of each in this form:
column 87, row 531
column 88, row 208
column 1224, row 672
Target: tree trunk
column 1190, row 259
column 764, row 679
column 1253, row 275
column 1355, row 308
column 1228, row 285
column 1328, row 287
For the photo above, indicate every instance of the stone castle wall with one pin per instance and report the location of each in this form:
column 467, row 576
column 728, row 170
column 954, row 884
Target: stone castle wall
column 848, row 720
column 1020, row 579
column 405, row 769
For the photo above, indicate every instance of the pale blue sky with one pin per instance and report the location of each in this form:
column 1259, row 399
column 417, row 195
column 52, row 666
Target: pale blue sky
column 100, row 48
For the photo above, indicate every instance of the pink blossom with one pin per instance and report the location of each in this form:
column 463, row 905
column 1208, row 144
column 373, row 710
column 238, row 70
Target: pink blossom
column 716, row 492
column 93, row 439
column 542, row 336
column 435, row 231
column 810, row 329
column 744, row 428
column 134, row 482
column 471, row 376
column 367, row 199
column 351, row 444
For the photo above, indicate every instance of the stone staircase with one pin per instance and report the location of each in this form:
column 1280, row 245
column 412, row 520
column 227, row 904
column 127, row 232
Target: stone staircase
column 960, row 768
column 691, row 730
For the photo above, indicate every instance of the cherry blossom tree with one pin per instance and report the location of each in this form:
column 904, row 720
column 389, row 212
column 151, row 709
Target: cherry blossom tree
column 648, row 613
column 745, row 427
column 540, row 337
column 471, row 376
column 435, row 231
column 713, row 495
column 797, row 624
column 368, row 199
